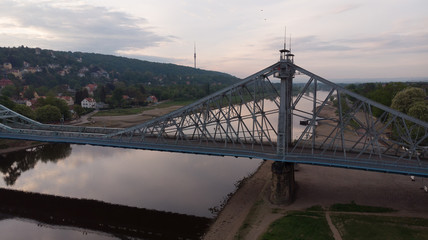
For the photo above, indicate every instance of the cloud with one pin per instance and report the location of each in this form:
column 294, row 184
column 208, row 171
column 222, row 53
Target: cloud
column 388, row 43
column 76, row 27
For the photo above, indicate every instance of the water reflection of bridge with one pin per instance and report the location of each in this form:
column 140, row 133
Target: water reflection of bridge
column 253, row 118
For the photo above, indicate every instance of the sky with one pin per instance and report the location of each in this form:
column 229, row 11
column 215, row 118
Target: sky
column 336, row 39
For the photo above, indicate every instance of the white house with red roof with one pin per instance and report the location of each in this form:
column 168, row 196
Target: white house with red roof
column 88, row 103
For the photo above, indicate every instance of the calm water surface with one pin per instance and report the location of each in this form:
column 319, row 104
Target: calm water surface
column 181, row 183
column 174, row 182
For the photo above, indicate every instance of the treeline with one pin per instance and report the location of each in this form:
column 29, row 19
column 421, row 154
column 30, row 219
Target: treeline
column 99, row 68
column 385, row 93
column 46, row 110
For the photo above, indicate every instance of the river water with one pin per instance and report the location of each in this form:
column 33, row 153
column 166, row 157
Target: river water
column 172, row 182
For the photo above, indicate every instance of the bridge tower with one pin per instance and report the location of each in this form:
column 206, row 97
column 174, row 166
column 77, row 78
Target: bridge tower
column 285, row 121
column 283, row 183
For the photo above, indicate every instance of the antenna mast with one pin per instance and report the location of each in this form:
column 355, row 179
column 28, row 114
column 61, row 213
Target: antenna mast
column 285, row 37
column 194, row 55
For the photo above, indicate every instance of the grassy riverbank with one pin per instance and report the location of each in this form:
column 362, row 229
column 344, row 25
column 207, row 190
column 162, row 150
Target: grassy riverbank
column 352, row 221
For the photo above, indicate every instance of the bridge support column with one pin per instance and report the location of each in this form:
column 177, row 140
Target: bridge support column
column 283, row 184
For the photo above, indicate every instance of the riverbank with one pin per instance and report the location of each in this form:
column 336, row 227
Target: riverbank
column 9, row 145
column 125, row 121
column 249, row 213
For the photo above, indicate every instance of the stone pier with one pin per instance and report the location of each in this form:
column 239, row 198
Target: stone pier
column 283, row 184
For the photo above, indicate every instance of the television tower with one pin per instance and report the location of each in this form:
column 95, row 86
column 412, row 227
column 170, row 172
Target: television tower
column 194, row 55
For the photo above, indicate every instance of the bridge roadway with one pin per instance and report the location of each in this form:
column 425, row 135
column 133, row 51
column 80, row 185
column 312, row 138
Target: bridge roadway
column 395, row 162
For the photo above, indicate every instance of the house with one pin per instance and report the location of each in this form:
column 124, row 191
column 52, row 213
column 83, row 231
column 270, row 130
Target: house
column 53, row 66
column 152, row 99
column 69, row 100
column 91, row 88
column 7, row 66
column 88, row 103
column 5, row 82
column 16, row 73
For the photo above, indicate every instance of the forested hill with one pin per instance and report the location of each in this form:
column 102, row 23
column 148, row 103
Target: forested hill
column 51, row 68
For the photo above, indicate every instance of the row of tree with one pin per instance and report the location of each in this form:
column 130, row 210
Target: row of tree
column 47, row 110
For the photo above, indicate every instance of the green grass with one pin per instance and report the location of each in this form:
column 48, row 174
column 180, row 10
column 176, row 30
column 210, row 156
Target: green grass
column 301, row 226
column 353, row 207
column 356, row 227
column 312, row 224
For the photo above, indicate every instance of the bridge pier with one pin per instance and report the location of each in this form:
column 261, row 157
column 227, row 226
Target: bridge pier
column 283, row 184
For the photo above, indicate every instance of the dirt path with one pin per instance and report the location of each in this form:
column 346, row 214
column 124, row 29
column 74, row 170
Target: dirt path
column 333, row 228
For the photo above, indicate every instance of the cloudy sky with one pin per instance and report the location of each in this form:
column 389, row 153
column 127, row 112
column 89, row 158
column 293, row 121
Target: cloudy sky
column 332, row 38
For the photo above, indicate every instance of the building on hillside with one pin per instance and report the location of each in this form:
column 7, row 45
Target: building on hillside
column 101, row 105
column 5, row 82
column 88, row 103
column 91, row 88
column 16, row 73
column 69, row 100
column 152, row 99
column 7, row 66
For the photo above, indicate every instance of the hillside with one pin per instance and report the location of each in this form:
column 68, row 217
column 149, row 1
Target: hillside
column 37, row 67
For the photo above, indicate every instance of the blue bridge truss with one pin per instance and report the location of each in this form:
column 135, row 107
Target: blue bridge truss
column 259, row 117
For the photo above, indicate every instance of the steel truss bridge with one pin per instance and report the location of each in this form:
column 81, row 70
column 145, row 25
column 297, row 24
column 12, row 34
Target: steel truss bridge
column 256, row 118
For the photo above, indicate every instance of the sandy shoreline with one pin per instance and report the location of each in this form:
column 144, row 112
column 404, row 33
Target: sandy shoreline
column 317, row 186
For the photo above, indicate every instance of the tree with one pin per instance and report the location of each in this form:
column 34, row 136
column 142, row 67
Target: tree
column 24, row 110
column 117, row 97
column 411, row 101
column 9, row 91
column 80, row 95
column 419, row 110
column 48, row 114
column 29, row 93
column 100, row 94
column 59, row 103
column 5, row 101
column 404, row 99
column 79, row 110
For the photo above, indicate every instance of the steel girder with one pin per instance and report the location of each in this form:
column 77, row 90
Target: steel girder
column 243, row 115
column 341, row 129
column 242, row 120
column 14, row 122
